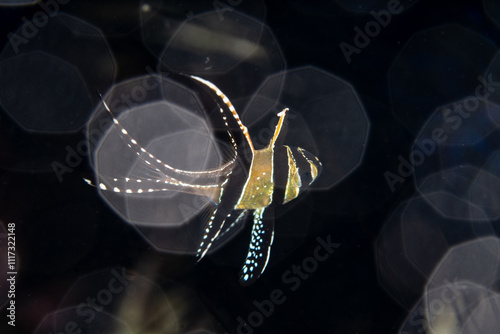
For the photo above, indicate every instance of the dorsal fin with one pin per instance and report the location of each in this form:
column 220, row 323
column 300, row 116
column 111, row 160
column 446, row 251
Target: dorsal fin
column 230, row 106
column 274, row 140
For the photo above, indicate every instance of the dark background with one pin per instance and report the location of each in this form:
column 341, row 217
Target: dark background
column 65, row 231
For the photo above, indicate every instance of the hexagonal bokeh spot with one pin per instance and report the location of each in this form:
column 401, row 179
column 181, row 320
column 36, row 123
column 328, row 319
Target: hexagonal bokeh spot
column 455, row 307
column 49, row 101
column 224, row 52
column 131, row 299
column 477, row 261
column 174, row 133
column 325, row 118
column 47, row 86
column 442, row 64
column 463, row 193
column 187, row 145
column 160, row 19
column 135, row 301
column 49, row 73
column 412, row 243
column 449, row 159
column 383, row 8
column 70, row 320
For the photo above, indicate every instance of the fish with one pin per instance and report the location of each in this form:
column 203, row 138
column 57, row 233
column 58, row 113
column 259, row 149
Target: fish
column 251, row 181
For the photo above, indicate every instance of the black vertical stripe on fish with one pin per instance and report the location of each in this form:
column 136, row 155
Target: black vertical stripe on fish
column 280, row 175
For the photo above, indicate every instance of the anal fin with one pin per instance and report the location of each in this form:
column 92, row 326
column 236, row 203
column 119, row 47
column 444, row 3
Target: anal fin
column 259, row 250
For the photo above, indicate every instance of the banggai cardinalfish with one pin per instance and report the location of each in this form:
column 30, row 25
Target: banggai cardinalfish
column 273, row 175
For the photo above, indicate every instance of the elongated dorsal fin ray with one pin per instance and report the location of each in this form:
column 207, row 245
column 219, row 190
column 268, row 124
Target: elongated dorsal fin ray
column 233, row 114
